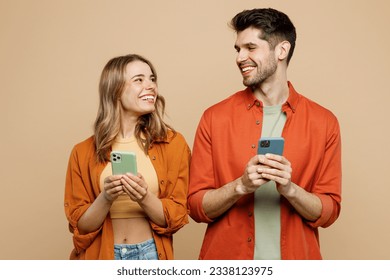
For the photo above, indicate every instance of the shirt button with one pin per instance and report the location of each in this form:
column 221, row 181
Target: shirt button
column 253, row 146
column 249, row 239
column 153, row 157
column 162, row 182
column 257, row 103
column 250, row 214
column 257, row 122
column 124, row 250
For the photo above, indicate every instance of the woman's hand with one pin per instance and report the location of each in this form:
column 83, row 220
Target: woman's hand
column 137, row 189
column 113, row 187
column 95, row 215
column 135, row 186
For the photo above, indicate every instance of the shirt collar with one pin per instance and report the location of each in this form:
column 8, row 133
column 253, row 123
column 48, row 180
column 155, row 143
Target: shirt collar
column 292, row 100
column 170, row 135
column 250, row 100
column 290, row 104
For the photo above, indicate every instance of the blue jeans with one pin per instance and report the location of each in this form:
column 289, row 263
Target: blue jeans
column 142, row 251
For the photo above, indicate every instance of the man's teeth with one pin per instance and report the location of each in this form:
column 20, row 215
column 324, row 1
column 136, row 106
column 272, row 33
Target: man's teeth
column 247, row 68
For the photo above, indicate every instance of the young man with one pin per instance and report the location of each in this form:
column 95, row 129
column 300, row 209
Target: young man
column 265, row 206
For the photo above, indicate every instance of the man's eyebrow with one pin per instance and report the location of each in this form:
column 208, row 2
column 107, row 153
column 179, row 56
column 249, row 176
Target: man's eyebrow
column 249, row 44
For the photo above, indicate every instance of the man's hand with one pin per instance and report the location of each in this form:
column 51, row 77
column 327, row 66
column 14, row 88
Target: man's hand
column 252, row 177
column 277, row 168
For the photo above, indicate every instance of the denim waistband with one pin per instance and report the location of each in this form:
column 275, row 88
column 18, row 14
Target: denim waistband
column 134, row 246
column 141, row 251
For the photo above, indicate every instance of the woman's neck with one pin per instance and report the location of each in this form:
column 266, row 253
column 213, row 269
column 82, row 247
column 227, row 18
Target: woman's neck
column 127, row 127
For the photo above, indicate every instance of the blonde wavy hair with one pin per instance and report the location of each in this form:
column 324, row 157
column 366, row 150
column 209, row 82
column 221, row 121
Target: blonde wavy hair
column 149, row 128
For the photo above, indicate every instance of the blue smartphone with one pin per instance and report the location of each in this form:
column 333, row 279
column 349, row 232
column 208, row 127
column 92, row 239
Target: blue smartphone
column 270, row 145
column 123, row 162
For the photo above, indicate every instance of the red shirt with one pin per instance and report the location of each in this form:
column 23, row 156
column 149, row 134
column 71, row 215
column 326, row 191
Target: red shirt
column 227, row 138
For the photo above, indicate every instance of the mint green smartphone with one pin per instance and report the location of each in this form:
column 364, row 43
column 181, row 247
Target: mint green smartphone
column 123, row 162
column 270, row 145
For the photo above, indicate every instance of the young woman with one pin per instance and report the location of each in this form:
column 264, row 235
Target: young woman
column 129, row 216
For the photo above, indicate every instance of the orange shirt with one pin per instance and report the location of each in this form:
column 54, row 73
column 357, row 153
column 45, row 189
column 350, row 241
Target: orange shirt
column 227, row 138
column 170, row 159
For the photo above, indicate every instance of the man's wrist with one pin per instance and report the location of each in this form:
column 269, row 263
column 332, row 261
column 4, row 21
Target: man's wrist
column 290, row 192
column 239, row 188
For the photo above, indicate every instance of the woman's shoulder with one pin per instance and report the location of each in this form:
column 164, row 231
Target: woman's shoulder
column 174, row 136
column 87, row 146
column 173, row 140
column 86, row 143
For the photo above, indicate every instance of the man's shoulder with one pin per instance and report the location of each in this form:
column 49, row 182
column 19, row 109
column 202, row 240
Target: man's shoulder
column 302, row 102
column 315, row 106
column 229, row 102
column 315, row 111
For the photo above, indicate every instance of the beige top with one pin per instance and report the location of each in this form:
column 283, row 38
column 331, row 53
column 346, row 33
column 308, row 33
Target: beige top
column 123, row 206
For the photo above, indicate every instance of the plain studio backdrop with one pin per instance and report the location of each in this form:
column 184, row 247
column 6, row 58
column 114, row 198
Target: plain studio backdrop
column 51, row 56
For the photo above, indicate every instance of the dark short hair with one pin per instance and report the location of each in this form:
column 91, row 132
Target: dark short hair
column 275, row 26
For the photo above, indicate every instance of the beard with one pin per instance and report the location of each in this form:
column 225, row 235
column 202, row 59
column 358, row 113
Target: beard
column 261, row 74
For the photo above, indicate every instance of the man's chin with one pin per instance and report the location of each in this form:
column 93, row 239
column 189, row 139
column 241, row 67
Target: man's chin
column 249, row 83
column 246, row 83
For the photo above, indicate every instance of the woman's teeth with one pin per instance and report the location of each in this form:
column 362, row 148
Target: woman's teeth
column 148, row 98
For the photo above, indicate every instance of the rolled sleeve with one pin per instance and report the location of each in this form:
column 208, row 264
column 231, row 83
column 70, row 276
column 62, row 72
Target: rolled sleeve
column 173, row 183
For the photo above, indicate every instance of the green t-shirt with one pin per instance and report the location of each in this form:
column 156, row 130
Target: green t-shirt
column 267, row 198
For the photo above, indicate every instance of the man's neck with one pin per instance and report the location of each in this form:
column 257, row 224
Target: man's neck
column 271, row 94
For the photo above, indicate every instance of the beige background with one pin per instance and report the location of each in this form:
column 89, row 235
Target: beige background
column 51, row 55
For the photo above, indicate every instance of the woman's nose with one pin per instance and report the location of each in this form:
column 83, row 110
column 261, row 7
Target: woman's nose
column 150, row 84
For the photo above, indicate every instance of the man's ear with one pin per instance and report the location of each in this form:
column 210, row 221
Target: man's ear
column 282, row 50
